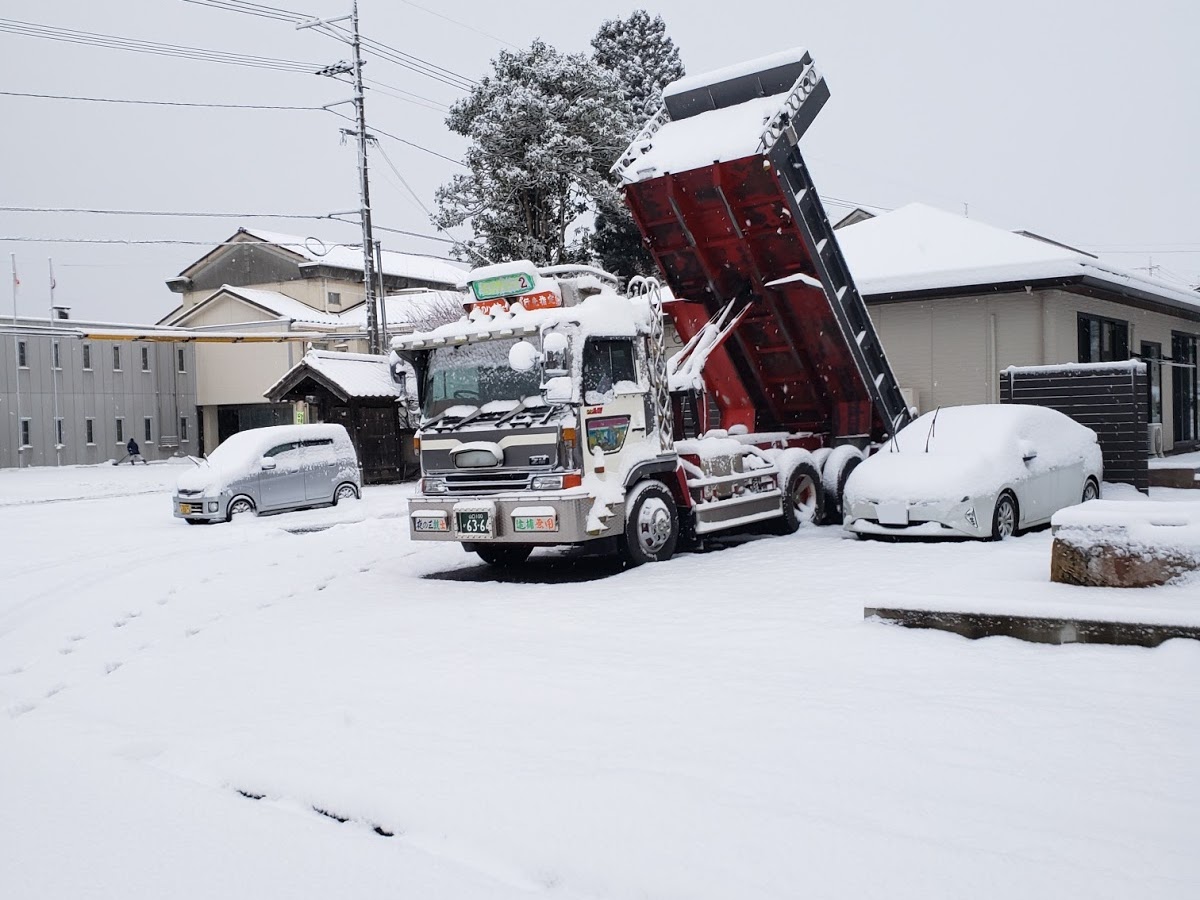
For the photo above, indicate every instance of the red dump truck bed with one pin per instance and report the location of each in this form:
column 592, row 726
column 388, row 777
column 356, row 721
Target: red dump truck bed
column 748, row 229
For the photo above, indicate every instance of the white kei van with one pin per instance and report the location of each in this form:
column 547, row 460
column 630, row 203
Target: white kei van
column 271, row 469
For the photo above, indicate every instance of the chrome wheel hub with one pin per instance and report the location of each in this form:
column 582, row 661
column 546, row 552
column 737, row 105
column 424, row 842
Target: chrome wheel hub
column 653, row 525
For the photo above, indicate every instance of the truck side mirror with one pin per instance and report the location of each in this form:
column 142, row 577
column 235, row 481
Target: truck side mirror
column 522, row 356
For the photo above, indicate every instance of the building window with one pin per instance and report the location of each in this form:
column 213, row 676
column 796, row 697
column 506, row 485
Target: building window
column 57, row 356
column 183, row 435
column 145, row 359
column 87, row 357
column 1186, row 404
column 335, row 298
column 120, row 430
column 26, row 428
column 58, row 431
column 179, row 352
column 1152, row 357
column 149, row 432
column 1102, row 340
column 117, row 358
column 89, row 429
column 22, row 355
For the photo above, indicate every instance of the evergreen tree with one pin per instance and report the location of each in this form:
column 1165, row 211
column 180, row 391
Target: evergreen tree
column 544, row 129
column 641, row 55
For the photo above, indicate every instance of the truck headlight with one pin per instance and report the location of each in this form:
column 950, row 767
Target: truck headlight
column 433, row 485
column 547, row 482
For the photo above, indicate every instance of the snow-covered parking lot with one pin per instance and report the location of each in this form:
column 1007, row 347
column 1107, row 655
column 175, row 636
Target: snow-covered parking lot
column 722, row 725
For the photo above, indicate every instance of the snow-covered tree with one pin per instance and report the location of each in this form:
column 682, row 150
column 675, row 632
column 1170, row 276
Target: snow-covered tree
column 640, row 53
column 544, row 129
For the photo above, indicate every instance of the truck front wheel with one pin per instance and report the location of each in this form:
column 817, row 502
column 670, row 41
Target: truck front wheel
column 503, row 556
column 651, row 524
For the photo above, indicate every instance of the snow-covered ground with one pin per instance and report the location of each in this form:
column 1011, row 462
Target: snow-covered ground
column 722, row 725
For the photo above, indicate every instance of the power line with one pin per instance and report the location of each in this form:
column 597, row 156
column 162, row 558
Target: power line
column 182, row 242
column 257, row 106
column 157, row 212
column 116, row 42
column 408, row 143
column 390, row 90
column 431, row 12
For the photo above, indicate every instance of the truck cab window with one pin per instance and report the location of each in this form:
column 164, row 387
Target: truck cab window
column 607, row 362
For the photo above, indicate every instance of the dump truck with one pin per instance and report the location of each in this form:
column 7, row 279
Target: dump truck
column 554, row 413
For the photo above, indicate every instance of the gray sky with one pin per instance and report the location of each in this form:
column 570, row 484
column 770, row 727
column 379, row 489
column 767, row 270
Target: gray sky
column 1074, row 119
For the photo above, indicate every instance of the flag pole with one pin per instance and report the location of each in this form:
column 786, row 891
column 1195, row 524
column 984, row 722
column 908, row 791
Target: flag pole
column 16, row 353
column 55, row 365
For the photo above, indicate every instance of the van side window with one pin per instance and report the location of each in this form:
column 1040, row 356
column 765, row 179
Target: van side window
column 282, row 448
column 322, row 442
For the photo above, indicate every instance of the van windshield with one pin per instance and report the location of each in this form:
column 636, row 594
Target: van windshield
column 475, row 374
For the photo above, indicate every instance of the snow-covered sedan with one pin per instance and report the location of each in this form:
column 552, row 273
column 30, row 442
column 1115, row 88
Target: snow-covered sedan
column 984, row 471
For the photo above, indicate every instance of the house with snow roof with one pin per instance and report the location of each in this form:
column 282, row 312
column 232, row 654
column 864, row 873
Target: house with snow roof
column 264, row 281
column 955, row 301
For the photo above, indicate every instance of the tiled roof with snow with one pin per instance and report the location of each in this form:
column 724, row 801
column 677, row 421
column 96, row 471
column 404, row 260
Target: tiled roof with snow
column 919, row 248
column 356, row 374
column 339, row 256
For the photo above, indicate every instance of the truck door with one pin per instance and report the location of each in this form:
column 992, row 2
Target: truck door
column 614, row 395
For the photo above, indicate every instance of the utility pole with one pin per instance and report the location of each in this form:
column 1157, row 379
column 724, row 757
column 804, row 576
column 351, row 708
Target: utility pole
column 55, row 360
column 364, row 186
column 16, row 353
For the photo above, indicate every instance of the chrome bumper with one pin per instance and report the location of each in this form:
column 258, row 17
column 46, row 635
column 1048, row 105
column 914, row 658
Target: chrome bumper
column 571, row 510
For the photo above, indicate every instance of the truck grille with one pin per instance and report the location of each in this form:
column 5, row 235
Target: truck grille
column 487, row 483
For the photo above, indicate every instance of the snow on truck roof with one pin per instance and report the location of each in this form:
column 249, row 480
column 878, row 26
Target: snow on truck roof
column 606, row 313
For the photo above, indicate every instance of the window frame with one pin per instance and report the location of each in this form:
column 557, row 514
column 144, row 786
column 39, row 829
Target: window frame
column 89, row 431
column 1117, row 327
column 148, row 429
column 56, row 356
column 180, row 361
column 87, row 357
column 120, row 421
column 60, row 432
column 145, row 358
column 116, row 358
column 22, row 354
column 183, row 429
column 25, row 433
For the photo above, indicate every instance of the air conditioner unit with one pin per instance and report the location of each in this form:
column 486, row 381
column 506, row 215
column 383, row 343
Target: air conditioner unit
column 1155, row 439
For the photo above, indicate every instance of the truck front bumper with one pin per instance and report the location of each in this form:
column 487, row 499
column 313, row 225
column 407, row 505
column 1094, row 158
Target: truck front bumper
column 559, row 517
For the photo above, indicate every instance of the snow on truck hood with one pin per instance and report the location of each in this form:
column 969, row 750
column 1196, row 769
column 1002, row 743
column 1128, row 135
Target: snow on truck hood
column 973, row 451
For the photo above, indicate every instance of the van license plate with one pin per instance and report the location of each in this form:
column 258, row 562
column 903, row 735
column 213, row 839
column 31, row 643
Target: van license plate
column 474, row 523
column 185, row 509
column 430, row 523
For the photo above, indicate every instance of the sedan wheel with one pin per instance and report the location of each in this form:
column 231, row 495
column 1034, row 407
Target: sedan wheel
column 1004, row 519
column 1090, row 491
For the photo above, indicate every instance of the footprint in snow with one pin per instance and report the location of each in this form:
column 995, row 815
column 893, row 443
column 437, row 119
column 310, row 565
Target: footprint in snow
column 58, row 688
column 20, row 709
column 77, row 637
column 15, row 670
column 67, row 651
column 193, row 631
column 112, row 667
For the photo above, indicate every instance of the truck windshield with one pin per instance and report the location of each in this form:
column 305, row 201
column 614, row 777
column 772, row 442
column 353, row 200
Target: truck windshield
column 474, row 374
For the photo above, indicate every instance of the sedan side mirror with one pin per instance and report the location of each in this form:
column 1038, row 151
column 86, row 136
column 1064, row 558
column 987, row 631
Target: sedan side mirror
column 268, row 464
column 1028, row 451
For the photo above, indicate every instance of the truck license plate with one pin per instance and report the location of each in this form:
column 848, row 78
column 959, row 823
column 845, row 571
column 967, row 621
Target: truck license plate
column 474, row 523
column 535, row 523
column 430, row 523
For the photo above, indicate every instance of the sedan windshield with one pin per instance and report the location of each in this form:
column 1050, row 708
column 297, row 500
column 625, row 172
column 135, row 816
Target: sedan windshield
column 475, row 374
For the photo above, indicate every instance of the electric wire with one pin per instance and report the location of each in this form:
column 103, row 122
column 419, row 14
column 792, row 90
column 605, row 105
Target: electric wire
column 116, row 42
column 439, row 15
column 159, row 212
column 138, row 102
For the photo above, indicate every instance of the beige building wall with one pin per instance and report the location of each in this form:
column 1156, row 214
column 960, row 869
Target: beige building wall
column 312, row 292
column 949, row 352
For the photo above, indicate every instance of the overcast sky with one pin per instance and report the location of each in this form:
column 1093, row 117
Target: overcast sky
column 1076, row 119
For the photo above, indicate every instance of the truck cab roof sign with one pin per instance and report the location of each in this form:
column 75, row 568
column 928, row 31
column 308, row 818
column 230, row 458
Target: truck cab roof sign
column 509, row 285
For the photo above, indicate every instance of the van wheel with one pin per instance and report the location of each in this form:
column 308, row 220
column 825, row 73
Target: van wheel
column 345, row 491
column 502, row 556
column 237, row 506
column 802, row 499
column 651, row 524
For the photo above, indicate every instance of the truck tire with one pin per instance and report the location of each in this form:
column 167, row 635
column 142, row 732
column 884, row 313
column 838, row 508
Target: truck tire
column 651, row 524
column 503, row 556
column 803, row 499
column 836, row 472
